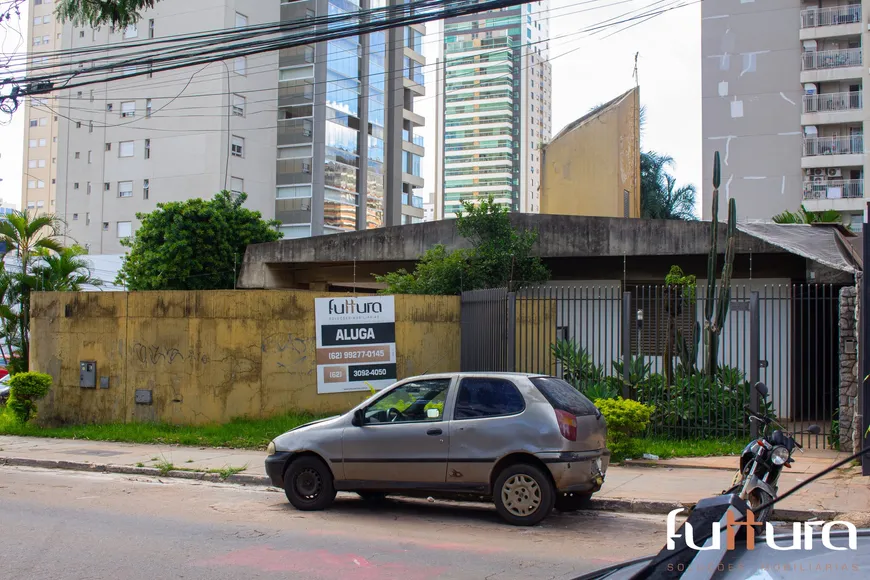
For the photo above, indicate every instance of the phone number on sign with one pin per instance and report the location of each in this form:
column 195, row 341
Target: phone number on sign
column 370, row 372
column 354, row 354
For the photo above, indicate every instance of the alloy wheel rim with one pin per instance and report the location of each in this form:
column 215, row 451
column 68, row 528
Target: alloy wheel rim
column 308, row 484
column 521, row 495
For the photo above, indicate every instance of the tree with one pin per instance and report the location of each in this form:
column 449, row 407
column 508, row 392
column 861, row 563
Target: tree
column 660, row 197
column 65, row 271
column 500, row 256
column 94, row 13
column 194, row 244
column 803, row 216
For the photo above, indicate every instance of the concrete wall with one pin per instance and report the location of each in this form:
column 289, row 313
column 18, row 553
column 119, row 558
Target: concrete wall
column 209, row 356
column 589, row 166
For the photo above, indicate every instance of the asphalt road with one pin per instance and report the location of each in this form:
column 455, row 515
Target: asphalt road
column 79, row 526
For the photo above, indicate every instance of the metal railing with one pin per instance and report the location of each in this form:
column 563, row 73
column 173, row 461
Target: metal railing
column 649, row 343
column 824, row 59
column 834, row 189
column 831, row 16
column 833, row 145
column 830, row 102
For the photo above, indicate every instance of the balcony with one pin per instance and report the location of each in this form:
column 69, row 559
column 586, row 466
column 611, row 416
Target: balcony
column 412, row 200
column 832, row 16
column 814, row 146
column 828, row 59
column 831, row 102
column 834, row 189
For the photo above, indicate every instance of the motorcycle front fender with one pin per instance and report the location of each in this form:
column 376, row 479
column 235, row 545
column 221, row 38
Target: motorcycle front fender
column 756, row 483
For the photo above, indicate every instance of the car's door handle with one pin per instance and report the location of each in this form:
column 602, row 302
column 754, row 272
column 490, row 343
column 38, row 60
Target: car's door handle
column 434, row 432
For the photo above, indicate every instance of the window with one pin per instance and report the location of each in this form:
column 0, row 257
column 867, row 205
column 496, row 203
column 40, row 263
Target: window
column 239, row 105
column 78, row 124
column 107, row 186
column 31, row 184
column 40, row 185
column 131, row 31
column 46, row 39
column 146, row 189
column 33, row 143
column 41, row 163
column 40, row 204
column 76, row 185
column 417, row 401
column 89, row 188
column 128, row 109
column 238, row 146
column 125, row 189
column 482, row 397
column 125, row 229
column 237, row 185
column 31, row 205
column 151, row 28
column 108, row 146
column 147, row 148
column 105, row 226
column 147, row 107
column 240, row 65
column 563, row 397
column 37, row 21
column 34, row 123
column 75, row 217
column 90, row 156
column 42, row 142
column 90, row 126
column 109, row 107
column 87, row 218
column 126, row 149
column 241, row 20
column 31, row 164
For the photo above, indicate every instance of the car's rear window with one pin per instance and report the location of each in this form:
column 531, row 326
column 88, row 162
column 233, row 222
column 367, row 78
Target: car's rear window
column 563, row 396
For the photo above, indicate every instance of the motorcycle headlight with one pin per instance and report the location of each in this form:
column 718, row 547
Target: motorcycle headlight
column 270, row 450
column 779, row 455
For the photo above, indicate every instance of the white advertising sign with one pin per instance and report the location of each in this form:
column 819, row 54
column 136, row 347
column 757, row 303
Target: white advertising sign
column 356, row 343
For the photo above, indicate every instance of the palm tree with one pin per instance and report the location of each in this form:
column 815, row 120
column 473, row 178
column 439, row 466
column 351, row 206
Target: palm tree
column 65, row 271
column 660, row 196
column 803, row 216
column 28, row 238
column 118, row 13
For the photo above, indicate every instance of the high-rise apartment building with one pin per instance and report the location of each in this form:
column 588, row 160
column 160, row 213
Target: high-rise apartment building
column 783, row 104
column 39, row 182
column 320, row 137
column 494, row 108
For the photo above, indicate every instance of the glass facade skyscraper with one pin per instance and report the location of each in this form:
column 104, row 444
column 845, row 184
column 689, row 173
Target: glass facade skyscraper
column 345, row 126
column 495, row 106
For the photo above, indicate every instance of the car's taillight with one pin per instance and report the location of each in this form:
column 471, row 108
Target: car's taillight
column 567, row 425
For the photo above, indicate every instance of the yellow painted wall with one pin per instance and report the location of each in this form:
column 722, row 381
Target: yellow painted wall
column 209, row 356
column 586, row 169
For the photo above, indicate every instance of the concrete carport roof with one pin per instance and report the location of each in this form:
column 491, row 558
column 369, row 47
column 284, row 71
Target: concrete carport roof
column 574, row 247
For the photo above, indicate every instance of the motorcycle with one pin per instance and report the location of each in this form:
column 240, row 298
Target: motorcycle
column 763, row 460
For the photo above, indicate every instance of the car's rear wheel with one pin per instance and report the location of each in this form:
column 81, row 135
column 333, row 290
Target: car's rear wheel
column 571, row 502
column 308, row 484
column 523, row 495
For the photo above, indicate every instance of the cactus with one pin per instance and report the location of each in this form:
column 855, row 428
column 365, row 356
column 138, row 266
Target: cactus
column 716, row 311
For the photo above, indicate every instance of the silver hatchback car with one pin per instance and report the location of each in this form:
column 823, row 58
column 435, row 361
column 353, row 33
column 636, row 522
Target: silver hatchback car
column 527, row 442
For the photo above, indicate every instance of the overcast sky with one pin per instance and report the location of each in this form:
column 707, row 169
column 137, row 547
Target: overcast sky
column 597, row 69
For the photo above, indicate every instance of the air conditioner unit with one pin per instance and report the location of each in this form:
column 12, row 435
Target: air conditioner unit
column 809, row 172
column 819, row 179
column 834, row 172
column 818, row 171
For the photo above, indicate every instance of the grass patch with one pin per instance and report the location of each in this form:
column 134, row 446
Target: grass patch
column 227, row 471
column 164, row 466
column 238, row 433
column 670, row 448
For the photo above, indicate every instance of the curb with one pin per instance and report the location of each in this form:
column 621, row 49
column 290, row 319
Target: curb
column 651, row 464
column 635, row 506
column 237, row 478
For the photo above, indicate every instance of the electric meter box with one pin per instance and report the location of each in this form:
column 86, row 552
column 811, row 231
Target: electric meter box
column 88, row 374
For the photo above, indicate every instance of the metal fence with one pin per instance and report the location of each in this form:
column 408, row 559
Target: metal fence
column 649, row 343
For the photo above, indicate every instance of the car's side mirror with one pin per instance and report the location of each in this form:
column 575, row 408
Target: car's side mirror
column 762, row 389
column 814, row 429
column 358, row 418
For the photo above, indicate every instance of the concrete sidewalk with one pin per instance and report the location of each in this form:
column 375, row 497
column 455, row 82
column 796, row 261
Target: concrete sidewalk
column 643, row 487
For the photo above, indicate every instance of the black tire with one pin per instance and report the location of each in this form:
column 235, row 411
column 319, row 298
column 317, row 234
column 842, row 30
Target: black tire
column 372, row 496
column 571, row 502
column 523, row 495
column 756, row 499
column 308, row 484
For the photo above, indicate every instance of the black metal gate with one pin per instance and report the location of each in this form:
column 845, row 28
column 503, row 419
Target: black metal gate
column 487, row 330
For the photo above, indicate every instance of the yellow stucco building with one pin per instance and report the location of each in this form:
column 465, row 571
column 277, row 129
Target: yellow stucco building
column 592, row 167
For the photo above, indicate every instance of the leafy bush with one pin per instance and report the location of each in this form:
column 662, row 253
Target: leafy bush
column 578, row 368
column 609, row 388
column 25, row 388
column 625, row 420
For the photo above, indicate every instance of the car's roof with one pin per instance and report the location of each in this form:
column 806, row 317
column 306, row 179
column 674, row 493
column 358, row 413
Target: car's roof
column 476, row 374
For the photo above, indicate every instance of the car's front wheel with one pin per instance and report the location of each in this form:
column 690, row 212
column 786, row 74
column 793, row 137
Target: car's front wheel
column 523, row 495
column 308, row 484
